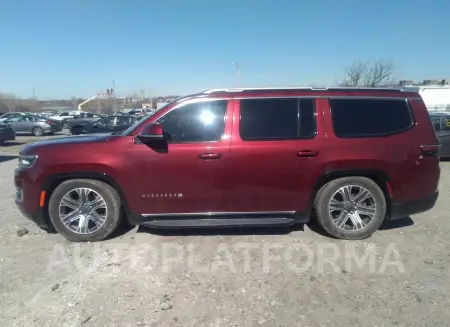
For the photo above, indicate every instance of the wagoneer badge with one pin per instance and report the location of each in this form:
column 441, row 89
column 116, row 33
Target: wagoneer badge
column 162, row 195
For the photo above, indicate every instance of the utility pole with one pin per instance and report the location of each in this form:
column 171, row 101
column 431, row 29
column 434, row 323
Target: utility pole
column 238, row 72
column 114, row 97
column 34, row 95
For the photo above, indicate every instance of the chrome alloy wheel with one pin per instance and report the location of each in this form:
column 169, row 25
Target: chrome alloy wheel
column 352, row 207
column 83, row 210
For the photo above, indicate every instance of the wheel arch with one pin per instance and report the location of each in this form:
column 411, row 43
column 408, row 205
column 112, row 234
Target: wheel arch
column 380, row 177
column 52, row 182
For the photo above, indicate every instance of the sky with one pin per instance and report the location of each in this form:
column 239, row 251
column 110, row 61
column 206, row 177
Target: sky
column 78, row 47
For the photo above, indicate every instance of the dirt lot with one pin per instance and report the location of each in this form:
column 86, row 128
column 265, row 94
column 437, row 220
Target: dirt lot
column 399, row 277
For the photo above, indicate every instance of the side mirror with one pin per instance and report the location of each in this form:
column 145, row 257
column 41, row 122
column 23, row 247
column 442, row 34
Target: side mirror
column 153, row 136
column 150, row 133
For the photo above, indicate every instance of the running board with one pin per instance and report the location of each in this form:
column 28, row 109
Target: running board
column 219, row 222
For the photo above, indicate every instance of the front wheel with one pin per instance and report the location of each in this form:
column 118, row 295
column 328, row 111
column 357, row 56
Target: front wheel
column 350, row 207
column 85, row 210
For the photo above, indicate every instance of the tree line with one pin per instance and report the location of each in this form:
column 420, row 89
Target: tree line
column 365, row 73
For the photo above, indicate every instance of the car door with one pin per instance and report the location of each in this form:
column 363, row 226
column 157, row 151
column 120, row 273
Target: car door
column 189, row 177
column 18, row 123
column 275, row 155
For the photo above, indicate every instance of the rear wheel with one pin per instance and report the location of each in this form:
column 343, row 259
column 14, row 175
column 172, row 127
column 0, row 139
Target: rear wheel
column 37, row 131
column 85, row 210
column 350, row 207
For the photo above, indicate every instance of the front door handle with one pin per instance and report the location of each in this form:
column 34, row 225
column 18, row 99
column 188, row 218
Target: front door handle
column 307, row 153
column 208, row 156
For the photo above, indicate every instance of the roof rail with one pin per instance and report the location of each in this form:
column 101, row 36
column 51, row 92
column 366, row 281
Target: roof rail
column 235, row 90
column 295, row 88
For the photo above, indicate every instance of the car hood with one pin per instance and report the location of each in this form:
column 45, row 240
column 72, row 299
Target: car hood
column 90, row 138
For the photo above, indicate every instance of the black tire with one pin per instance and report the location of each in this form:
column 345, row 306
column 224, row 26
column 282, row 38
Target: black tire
column 323, row 216
column 37, row 131
column 113, row 205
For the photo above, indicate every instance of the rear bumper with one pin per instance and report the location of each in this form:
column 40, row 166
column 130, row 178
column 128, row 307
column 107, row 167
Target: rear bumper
column 413, row 207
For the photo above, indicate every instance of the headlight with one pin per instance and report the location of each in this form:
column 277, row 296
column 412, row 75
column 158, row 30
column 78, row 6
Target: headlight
column 27, row 161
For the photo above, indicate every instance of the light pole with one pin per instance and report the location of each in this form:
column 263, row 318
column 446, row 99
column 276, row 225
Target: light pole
column 114, row 97
column 238, row 72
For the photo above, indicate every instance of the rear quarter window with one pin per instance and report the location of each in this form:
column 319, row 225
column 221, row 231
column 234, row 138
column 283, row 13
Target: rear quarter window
column 370, row 117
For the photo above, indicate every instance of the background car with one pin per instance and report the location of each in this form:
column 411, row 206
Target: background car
column 441, row 124
column 84, row 118
column 6, row 133
column 108, row 124
column 35, row 125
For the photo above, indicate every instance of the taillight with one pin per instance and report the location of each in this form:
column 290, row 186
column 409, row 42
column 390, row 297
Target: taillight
column 49, row 122
column 430, row 151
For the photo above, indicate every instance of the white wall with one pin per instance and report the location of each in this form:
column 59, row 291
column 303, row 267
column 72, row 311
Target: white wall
column 435, row 97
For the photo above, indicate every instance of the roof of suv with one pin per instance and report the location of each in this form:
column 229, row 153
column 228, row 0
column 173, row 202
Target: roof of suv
column 381, row 91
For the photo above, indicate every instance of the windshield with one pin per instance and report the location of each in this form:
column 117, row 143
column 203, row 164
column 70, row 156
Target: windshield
column 138, row 123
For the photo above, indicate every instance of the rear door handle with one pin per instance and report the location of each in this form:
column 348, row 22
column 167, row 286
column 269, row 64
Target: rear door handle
column 307, row 153
column 208, row 156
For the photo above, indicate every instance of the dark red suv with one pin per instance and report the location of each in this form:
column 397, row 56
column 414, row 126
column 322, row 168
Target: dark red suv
column 349, row 158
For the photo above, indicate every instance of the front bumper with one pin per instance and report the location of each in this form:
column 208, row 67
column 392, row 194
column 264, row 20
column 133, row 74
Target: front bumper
column 38, row 217
column 27, row 199
column 403, row 210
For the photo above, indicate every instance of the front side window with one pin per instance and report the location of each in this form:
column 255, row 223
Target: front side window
column 369, row 117
column 277, row 119
column 195, row 122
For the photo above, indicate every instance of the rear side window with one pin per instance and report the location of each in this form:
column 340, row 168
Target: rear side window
column 277, row 119
column 369, row 117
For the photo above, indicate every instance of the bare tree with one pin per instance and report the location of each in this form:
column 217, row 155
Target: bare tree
column 379, row 73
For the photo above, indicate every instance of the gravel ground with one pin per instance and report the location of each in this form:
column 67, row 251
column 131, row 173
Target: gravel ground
column 398, row 277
